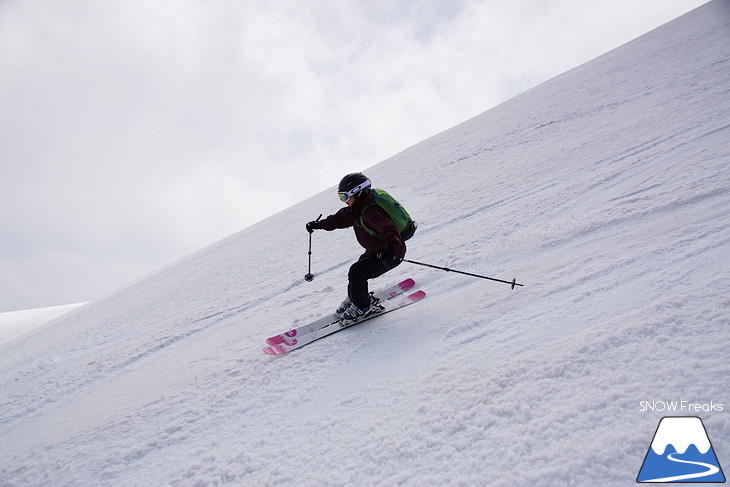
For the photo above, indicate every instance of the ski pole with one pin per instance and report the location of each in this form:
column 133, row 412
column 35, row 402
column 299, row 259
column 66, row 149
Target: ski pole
column 513, row 282
column 309, row 277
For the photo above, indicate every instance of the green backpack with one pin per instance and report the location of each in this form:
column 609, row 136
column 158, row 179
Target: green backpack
column 403, row 221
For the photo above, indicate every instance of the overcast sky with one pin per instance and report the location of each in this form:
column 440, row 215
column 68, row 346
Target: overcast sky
column 133, row 132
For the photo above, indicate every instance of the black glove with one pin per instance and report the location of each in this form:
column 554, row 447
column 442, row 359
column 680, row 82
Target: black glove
column 313, row 225
column 388, row 255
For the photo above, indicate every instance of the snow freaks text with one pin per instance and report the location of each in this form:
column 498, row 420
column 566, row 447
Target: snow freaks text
column 679, row 406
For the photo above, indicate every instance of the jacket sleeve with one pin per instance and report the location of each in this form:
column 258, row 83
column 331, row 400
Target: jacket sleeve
column 342, row 219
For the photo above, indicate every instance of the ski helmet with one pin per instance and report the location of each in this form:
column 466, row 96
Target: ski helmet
column 354, row 184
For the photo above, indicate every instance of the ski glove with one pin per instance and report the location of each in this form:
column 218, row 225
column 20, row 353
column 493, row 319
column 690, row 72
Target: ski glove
column 388, row 256
column 313, row 225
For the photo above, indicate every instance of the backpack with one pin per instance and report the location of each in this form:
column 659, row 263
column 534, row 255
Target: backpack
column 403, row 221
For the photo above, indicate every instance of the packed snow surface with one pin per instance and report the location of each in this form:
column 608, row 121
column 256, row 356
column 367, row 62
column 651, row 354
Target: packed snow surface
column 605, row 191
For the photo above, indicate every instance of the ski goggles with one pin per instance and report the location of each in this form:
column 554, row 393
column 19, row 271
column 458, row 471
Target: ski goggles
column 346, row 195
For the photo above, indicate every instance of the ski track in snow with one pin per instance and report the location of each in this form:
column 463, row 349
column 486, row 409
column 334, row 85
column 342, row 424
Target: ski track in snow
column 605, row 191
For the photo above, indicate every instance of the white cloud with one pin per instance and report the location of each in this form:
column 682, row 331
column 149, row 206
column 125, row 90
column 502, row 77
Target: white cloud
column 60, row 277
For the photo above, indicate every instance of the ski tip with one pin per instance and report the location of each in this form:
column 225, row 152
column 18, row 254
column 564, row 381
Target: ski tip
column 274, row 340
column 407, row 284
column 417, row 295
column 274, row 350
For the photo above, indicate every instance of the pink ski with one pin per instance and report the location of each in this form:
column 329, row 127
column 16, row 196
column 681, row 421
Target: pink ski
column 382, row 295
column 297, row 341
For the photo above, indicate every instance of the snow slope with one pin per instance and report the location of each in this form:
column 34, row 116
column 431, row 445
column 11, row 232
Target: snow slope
column 604, row 190
column 14, row 324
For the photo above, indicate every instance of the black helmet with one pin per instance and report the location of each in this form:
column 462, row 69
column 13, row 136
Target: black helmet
column 353, row 184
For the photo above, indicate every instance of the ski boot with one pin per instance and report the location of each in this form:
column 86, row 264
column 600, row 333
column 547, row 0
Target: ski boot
column 343, row 307
column 353, row 314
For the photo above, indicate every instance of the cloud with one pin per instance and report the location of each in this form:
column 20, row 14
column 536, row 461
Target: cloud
column 136, row 132
column 60, row 277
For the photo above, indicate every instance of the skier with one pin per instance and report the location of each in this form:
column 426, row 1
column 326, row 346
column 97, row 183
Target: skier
column 383, row 251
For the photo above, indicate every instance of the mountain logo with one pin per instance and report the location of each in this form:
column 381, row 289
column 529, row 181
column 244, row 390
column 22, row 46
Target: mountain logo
column 680, row 452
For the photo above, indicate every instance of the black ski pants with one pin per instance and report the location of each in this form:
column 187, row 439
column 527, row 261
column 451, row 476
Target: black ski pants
column 367, row 267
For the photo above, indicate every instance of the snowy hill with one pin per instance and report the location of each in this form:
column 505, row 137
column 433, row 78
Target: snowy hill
column 14, row 324
column 606, row 191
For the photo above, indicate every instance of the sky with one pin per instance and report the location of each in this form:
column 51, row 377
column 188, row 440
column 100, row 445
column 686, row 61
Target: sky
column 133, row 133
